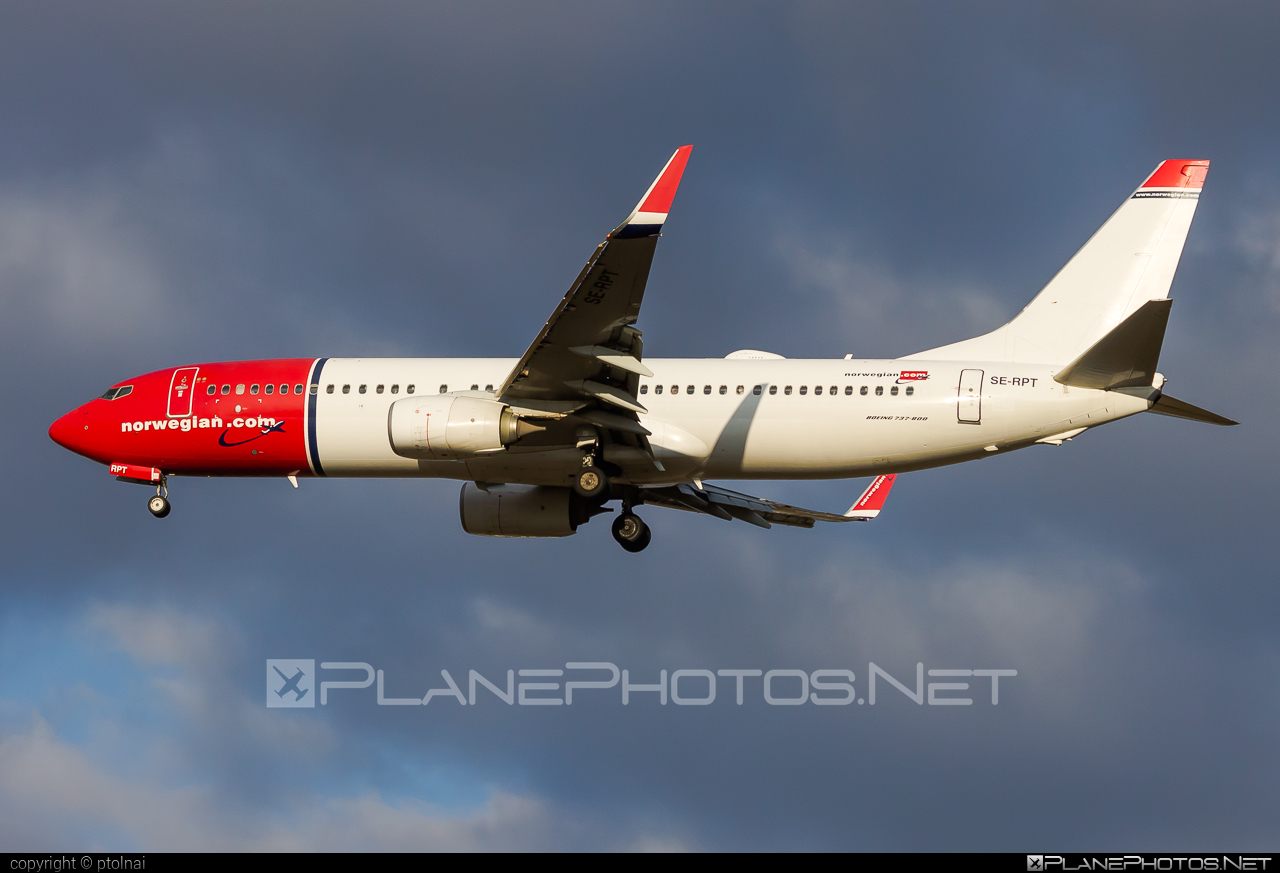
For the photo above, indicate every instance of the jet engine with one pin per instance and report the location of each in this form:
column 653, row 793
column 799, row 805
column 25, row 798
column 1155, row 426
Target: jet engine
column 522, row 510
column 443, row 427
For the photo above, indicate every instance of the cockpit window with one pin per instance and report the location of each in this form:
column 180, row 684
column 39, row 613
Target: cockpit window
column 117, row 393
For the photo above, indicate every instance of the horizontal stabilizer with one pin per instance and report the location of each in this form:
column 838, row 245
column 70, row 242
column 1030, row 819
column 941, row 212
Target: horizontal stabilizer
column 1127, row 356
column 1166, row 405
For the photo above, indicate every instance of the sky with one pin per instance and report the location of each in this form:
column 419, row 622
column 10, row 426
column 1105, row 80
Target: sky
column 200, row 182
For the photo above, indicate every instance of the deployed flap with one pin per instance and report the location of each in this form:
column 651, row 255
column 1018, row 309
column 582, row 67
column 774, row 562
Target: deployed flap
column 571, row 356
column 1166, row 405
column 728, row 505
column 1126, row 357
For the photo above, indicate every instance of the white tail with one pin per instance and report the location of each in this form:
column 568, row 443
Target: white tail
column 1128, row 262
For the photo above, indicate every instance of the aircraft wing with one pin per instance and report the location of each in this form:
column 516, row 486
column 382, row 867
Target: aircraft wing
column 588, row 352
column 728, row 505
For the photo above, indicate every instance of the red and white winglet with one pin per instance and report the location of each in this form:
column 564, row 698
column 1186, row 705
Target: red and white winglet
column 651, row 212
column 872, row 500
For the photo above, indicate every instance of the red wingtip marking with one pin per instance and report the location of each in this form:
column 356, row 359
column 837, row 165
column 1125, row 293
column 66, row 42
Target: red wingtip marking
column 877, row 492
column 664, row 190
column 1178, row 174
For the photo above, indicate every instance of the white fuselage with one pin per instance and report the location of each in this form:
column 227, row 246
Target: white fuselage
column 734, row 418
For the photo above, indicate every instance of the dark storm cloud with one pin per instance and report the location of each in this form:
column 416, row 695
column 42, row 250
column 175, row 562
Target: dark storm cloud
column 204, row 183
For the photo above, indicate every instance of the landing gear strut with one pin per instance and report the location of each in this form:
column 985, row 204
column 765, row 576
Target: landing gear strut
column 631, row 532
column 159, row 505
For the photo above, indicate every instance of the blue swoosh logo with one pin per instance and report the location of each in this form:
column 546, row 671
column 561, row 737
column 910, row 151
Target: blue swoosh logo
column 275, row 428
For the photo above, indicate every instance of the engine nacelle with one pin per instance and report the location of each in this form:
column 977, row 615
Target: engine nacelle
column 442, row 427
column 521, row 511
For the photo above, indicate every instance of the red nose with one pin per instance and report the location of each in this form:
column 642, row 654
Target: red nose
column 72, row 431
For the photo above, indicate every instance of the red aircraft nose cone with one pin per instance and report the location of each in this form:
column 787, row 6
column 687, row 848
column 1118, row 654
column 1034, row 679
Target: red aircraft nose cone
column 71, row 431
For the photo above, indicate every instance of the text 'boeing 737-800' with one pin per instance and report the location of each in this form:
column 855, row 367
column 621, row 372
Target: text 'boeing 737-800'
column 581, row 419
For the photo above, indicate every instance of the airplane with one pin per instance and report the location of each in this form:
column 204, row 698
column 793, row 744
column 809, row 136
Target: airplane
column 543, row 442
column 291, row 684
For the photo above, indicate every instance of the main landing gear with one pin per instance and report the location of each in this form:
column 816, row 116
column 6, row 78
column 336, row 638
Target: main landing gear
column 631, row 532
column 159, row 505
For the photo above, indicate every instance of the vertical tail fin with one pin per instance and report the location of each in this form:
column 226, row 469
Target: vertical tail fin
column 1127, row 263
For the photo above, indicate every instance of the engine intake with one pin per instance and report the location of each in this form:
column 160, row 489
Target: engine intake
column 521, row 511
column 444, row 427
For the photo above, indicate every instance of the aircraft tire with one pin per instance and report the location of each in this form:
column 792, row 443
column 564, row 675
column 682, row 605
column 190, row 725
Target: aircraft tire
column 631, row 532
column 158, row 506
column 591, row 483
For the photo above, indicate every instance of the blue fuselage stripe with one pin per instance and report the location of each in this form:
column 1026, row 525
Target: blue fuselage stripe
column 313, row 397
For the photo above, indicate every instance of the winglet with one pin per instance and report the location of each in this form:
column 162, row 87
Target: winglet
column 872, row 500
column 651, row 212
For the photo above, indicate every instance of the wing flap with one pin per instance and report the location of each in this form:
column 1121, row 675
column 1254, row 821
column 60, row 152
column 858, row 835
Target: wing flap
column 729, row 505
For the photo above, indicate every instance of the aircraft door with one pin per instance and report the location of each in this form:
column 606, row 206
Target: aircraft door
column 969, row 405
column 181, row 387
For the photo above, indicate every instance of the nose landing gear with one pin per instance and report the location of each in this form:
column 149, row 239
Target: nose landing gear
column 631, row 532
column 159, row 505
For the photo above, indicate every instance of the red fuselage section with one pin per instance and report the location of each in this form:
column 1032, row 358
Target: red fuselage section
column 243, row 418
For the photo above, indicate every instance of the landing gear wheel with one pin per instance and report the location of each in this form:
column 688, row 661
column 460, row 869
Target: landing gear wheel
column 591, row 482
column 159, row 506
column 631, row 532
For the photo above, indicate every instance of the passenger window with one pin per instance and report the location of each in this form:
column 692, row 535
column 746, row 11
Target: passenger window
column 408, row 389
column 910, row 390
column 213, row 389
column 346, row 389
column 863, row 390
column 226, row 389
column 253, row 389
column 240, row 388
column 315, row 389
column 688, row 390
column 268, row 389
column 741, row 389
column 475, row 387
column 644, row 389
column 297, row 389
column 329, row 390
column 444, row 389
column 773, row 389
column 833, row 389
column 804, row 389
column 817, row 390
column 706, row 389
column 657, row 389
column 379, row 389
column 362, row 389
column 724, row 389
column 879, row 390
column 488, row 387
column 894, row 390
column 395, row 389
column 675, row 389
column 786, row 390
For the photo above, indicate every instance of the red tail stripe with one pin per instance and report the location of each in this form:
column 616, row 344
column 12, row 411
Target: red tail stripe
column 1178, row 174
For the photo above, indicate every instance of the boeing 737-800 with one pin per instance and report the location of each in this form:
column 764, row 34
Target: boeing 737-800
column 544, row 442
